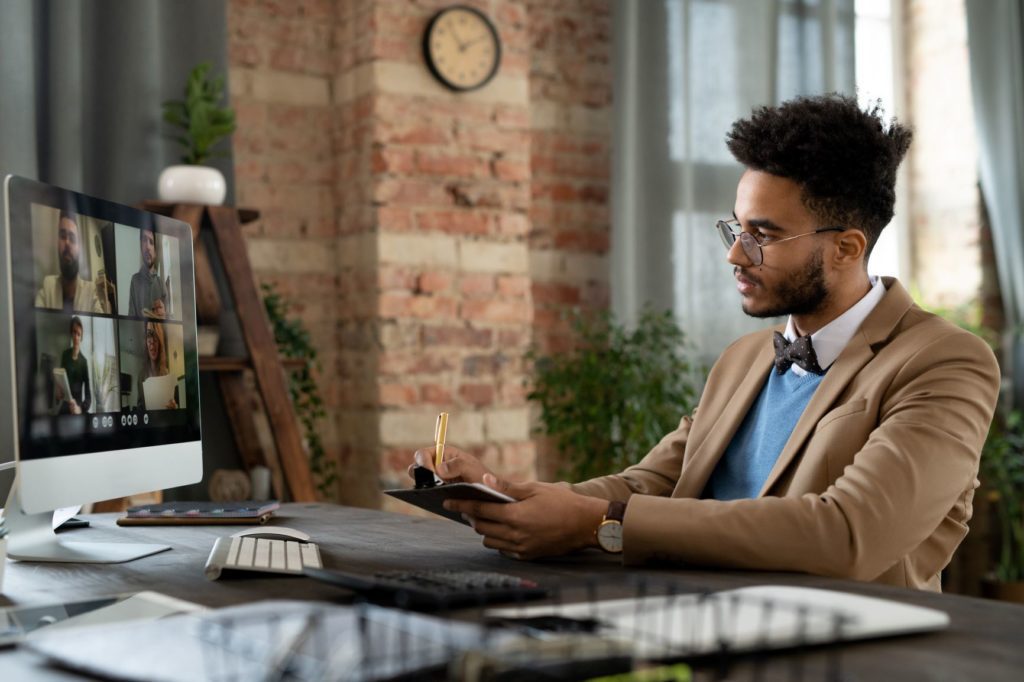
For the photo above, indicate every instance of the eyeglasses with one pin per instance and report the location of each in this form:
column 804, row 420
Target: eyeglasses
column 730, row 231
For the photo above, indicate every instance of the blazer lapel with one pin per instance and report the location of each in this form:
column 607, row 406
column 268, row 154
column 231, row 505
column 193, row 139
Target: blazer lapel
column 876, row 328
column 697, row 467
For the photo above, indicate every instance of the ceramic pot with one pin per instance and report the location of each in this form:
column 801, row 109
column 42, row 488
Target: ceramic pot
column 185, row 184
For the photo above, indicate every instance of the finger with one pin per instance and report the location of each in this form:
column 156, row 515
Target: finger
column 518, row 491
column 503, row 546
column 498, row 531
column 453, row 467
column 490, row 511
column 424, row 457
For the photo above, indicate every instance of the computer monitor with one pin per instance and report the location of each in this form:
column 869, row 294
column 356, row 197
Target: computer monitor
column 98, row 350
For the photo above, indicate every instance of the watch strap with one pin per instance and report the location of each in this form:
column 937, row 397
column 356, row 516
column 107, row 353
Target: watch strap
column 616, row 512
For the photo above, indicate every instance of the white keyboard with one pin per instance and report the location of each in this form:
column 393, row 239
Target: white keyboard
column 261, row 549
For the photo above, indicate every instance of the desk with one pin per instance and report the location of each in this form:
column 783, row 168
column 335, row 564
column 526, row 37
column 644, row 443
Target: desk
column 984, row 642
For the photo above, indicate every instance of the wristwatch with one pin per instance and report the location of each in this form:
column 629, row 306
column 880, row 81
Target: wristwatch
column 609, row 533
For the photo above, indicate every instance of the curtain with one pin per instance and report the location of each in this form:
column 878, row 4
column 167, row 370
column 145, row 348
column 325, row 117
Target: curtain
column 81, row 87
column 995, row 38
column 684, row 70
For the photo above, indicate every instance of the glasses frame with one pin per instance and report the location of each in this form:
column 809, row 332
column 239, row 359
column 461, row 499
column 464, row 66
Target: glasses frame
column 752, row 248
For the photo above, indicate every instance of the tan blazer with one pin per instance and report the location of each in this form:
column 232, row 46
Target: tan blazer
column 875, row 483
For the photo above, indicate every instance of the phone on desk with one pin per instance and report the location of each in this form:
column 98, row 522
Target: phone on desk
column 430, row 493
column 266, row 549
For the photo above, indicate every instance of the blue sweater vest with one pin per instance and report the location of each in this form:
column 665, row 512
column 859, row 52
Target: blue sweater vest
column 748, row 460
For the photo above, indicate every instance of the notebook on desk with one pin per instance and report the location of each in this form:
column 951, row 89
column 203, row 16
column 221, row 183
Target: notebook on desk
column 200, row 513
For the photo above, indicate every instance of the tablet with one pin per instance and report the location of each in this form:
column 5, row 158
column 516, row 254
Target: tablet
column 432, row 499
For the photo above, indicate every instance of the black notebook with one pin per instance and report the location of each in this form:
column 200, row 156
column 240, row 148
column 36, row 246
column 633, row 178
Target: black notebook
column 432, row 499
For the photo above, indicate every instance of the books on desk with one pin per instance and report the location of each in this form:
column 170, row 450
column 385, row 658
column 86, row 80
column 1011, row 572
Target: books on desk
column 200, row 513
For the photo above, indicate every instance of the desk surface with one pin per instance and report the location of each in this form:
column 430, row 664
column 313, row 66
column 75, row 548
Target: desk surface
column 985, row 640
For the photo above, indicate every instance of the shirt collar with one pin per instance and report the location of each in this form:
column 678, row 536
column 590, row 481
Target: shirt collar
column 830, row 340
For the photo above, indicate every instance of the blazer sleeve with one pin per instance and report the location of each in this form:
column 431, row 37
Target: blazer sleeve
column 656, row 474
column 913, row 469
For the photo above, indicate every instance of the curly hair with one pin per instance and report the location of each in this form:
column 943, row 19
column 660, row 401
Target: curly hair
column 843, row 157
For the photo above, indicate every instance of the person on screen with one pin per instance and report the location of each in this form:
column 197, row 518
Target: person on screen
column 67, row 291
column 844, row 442
column 76, row 369
column 146, row 285
column 155, row 363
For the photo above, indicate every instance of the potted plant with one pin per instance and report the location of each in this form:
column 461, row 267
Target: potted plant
column 1002, row 471
column 610, row 399
column 202, row 123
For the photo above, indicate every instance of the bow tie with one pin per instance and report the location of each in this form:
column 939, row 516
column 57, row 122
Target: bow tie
column 799, row 352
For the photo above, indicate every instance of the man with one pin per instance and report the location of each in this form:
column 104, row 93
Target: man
column 76, row 369
column 67, row 291
column 847, row 446
column 146, row 286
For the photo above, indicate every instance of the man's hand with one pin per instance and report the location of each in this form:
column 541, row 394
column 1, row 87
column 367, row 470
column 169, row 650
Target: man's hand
column 547, row 520
column 74, row 407
column 458, row 466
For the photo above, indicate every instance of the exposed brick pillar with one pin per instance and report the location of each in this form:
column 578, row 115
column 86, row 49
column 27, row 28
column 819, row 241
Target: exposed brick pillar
column 440, row 220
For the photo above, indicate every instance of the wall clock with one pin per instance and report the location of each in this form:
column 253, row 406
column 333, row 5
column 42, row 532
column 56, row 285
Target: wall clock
column 462, row 48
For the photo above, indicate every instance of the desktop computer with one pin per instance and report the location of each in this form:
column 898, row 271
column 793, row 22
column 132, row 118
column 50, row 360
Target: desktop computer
column 99, row 373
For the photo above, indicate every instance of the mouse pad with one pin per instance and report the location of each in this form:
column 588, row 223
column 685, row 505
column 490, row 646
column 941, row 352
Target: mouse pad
column 432, row 499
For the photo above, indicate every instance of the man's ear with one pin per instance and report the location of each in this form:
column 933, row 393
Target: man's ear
column 851, row 247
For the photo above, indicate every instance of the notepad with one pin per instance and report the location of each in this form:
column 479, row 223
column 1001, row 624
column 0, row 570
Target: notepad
column 432, row 499
column 200, row 513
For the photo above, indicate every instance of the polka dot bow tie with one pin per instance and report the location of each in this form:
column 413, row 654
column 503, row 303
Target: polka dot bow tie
column 799, row 352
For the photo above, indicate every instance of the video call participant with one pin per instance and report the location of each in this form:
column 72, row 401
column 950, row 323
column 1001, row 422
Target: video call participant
column 67, row 291
column 155, row 363
column 847, row 446
column 146, row 285
column 77, row 370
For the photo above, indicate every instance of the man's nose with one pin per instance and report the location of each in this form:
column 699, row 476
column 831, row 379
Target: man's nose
column 737, row 256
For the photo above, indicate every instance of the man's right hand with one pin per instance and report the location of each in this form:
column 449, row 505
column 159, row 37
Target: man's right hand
column 458, row 466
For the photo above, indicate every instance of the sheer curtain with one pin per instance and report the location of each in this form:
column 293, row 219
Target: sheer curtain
column 684, row 71
column 995, row 36
column 81, row 86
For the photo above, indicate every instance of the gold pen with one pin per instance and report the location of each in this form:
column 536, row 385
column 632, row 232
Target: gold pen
column 440, row 430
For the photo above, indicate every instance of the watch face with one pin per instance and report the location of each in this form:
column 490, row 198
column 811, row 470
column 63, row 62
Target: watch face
column 462, row 48
column 609, row 536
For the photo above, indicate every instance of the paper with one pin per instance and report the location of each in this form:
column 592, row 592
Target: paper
column 61, row 388
column 756, row 618
column 158, row 391
column 262, row 640
column 63, row 514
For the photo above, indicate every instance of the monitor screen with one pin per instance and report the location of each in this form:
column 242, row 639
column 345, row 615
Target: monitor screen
column 98, row 355
column 104, row 325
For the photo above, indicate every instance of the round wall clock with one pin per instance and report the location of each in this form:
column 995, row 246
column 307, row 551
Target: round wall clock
column 462, row 48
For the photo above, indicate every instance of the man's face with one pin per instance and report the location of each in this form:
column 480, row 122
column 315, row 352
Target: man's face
column 792, row 280
column 68, row 248
column 148, row 248
column 76, row 338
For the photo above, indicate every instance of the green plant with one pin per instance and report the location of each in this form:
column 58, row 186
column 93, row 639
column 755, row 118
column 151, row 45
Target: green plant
column 610, row 399
column 293, row 341
column 1002, row 468
column 203, row 122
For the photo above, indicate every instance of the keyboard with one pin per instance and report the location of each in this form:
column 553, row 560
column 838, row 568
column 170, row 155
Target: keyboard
column 432, row 590
column 263, row 552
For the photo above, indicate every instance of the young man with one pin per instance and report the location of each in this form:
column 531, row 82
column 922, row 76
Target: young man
column 67, row 291
column 846, row 446
column 146, row 286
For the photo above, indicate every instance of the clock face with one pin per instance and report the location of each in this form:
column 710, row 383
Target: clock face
column 462, row 48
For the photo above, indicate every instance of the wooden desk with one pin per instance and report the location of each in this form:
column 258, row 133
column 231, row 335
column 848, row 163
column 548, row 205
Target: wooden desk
column 984, row 642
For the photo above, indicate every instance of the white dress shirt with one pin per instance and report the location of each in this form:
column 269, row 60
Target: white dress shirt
column 829, row 341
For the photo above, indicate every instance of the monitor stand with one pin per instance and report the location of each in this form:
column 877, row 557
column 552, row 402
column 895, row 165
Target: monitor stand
column 30, row 537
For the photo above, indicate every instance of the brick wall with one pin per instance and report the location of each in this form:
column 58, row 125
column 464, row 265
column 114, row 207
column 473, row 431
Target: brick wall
column 430, row 237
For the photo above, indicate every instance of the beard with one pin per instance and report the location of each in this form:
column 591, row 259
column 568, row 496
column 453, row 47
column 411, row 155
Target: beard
column 803, row 294
column 68, row 267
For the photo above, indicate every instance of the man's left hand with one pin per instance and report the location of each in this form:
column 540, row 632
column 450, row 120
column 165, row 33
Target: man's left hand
column 547, row 519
